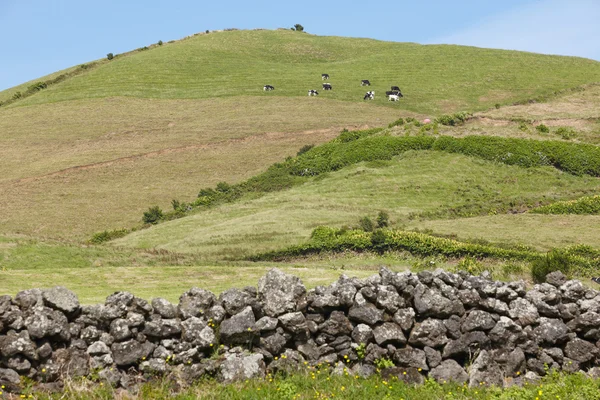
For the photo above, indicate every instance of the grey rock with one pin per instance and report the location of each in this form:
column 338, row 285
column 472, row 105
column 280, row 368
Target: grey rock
column 195, row 302
column 405, row 317
column 195, row 331
column 505, row 331
column 572, row 291
column 494, row 305
column 389, row 299
column 27, row 299
column 45, row 322
column 388, row 333
column 239, row 329
column 289, row 362
column 131, row 352
column 478, row 320
column 411, row 357
column 406, row 375
column 449, row 371
column 469, row 297
column 19, row 364
column 162, row 328
column 309, row 350
column 585, row 322
column 467, row 344
column 556, row 278
column 485, row 371
column 235, row 300
column 12, row 345
column 367, row 314
column 62, row 299
column 237, row 367
column 430, row 302
column 434, row 357
column 154, row 366
column 71, row 362
column 10, row 379
column 295, row 323
column 580, row 350
column 430, row 332
column 362, row 334
column 524, row 312
column 216, row 313
column 44, row 351
column 164, row 308
column 551, row 331
column 98, row 348
column 267, row 324
column 279, row 292
column 364, row 370
column 337, row 324
column 119, row 330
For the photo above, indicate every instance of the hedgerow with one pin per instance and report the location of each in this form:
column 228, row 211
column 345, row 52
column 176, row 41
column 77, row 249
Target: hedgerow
column 589, row 205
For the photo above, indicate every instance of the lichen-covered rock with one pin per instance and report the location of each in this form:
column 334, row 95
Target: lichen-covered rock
column 406, row 375
column 239, row 329
column 45, row 322
column 430, row 302
column 366, row 314
column 235, row 300
column 411, row 357
column 98, row 348
column 131, row 352
column 524, row 312
column 337, row 324
column 580, row 350
column 362, row 334
column 389, row 299
column 10, row 380
column 468, row 343
column 195, row 302
column 279, row 292
column 267, row 323
column 478, row 320
column 388, row 333
column 119, row 330
column 405, row 317
column 485, row 371
column 14, row 344
column 295, row 323
column 551, row 331
column 237, row 367
column 430, row 332
column 449, row 371
column 164, row 308
column 62, row 299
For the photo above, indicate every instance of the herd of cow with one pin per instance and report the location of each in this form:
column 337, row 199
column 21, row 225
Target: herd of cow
column 393, row 95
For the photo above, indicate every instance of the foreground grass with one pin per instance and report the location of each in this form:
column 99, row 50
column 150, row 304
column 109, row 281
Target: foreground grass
column 316, row 384
column 409, row 185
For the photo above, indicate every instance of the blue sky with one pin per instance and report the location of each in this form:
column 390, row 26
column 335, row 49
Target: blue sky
column 43, row 36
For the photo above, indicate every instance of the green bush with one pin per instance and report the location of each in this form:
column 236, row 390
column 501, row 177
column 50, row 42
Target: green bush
column 17, row 95
column 160, row 43
column 304, row 149
column 566, row 133
column 398, row 122
column 366, row 224
column 37, row 86
column 298, row 28
column 555, row 260
column 110, row 56
column 542, row 128
column 107, row 236
column 523, row 126
column 383, row 219
column 153, row 215
column 453, row 119
column 589, row 205
column 349, row 136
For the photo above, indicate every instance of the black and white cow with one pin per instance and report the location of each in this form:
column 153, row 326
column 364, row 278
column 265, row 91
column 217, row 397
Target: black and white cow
column 327, row 86
column 394, row 92
column 393, row 97
column 369, row 95
column 395, row 88
column 324, row 76
column 365, row 82
column 267, row 88
column 313, row 93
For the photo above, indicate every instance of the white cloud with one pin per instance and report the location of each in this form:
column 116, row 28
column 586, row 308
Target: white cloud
column 547, row 26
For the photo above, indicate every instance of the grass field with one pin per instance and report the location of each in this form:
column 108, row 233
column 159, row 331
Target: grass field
column 414, row 183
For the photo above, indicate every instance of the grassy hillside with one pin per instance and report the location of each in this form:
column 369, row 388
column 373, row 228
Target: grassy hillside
column 435, row 78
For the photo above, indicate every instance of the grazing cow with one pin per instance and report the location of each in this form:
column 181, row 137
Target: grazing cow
column 597, row 280
column 324, row 76
column 313, row 93
column 327, row 86
column 395, row 88
column 393, row 97
column 369, row 95
column 267, row 88
column 365, row 82
column 395, row 92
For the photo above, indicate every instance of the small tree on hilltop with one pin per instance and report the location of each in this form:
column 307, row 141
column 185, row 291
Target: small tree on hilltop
column 110, row 56
column 298, row 28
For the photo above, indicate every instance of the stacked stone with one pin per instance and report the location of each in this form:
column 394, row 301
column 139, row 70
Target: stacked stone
column 428, row 324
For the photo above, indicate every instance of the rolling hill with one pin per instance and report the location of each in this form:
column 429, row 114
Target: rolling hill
column 95, row 150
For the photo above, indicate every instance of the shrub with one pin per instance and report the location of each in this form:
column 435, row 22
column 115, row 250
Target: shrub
column 348, row 136
column 298, row 28
column 304, row 149
column 589, row 205
column 542, row 128
column 469, row 265
column 207, row 31
column 17, row 95
column 453, row 119
column 160, row 43
column 223, row 187
column 110, row 56
column 383, row 219
column 37, row 86
column 153, row 215
column 555, row 260
column 497, row 105
column 106, row 236
column 566, row 132
column 399, row 121
column 366, row 224
column 523, row 127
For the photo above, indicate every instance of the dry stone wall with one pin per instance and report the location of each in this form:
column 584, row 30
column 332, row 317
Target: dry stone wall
column 427, row 324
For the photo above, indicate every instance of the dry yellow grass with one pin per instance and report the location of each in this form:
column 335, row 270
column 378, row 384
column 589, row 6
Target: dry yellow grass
column 73, row 168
